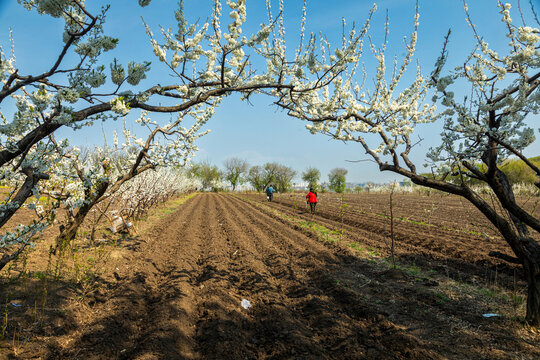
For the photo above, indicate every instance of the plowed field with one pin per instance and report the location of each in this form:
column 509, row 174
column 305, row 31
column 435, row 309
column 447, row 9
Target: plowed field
column 440, row 229
column 319, row 288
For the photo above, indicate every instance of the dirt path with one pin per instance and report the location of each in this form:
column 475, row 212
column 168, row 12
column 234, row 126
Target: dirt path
column 178, row 294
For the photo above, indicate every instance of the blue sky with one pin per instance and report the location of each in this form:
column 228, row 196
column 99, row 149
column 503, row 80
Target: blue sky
column 259, row 132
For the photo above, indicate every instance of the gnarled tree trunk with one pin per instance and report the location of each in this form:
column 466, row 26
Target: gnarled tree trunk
column 531, row 267
column 68, row 232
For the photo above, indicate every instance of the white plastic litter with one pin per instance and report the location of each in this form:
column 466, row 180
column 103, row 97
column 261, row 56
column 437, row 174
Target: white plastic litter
column 118, row 224
column 246, row 304
column 488, row 315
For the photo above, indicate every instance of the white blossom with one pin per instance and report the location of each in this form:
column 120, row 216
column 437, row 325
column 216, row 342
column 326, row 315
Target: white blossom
column 119, row 106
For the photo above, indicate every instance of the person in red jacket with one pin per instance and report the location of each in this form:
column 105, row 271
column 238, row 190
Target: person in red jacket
column 311, row 199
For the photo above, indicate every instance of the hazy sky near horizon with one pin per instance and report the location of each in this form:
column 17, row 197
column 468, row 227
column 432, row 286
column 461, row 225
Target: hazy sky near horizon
column 258, row 131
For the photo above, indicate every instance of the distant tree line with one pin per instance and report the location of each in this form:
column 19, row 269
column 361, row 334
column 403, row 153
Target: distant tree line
column 237, row 172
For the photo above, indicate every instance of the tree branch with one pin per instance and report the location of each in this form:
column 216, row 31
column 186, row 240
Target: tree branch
column 505, row 257
column 26, row 190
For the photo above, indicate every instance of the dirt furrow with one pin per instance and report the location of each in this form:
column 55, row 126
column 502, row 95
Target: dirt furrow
column 261, row 273
column 286, row 236
column 253, row 275
column 424, row 235
column 447, row 225
column 443, row 255
column 146, row 310
column 300, row 302
column 178, row 295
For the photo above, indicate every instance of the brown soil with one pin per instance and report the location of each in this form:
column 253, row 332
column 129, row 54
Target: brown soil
column 445, row 231
column 175, row 292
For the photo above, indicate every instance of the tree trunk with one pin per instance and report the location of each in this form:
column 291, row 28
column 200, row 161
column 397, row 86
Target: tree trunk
column 69, row 232
column 531, row 267
column 6, row 258
column 32, row 178
column 526, row 249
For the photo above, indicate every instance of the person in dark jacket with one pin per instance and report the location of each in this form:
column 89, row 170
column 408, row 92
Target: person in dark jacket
column 270, row 193
column 311, row 199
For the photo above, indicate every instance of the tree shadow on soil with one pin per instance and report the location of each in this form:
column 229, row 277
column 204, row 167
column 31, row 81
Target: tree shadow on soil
column 416, row 308
column 317, row 320
column 132, row 323
column 346, row 308
column 505, row 275
column 337, row 314
column 33, row 306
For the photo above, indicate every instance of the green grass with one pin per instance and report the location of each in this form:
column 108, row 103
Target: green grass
column 169, row 210
column 40, row 275
column 517, row 300
column 415, row 222
column 356, row 246
column 171, row 206
column 487, row 292
column 442, row 298
column 374, row 252
column 322, row 232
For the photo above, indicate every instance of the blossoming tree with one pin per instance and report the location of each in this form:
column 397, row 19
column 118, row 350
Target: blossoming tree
column 88, row 181
column 479, row 133
column 207, row 62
